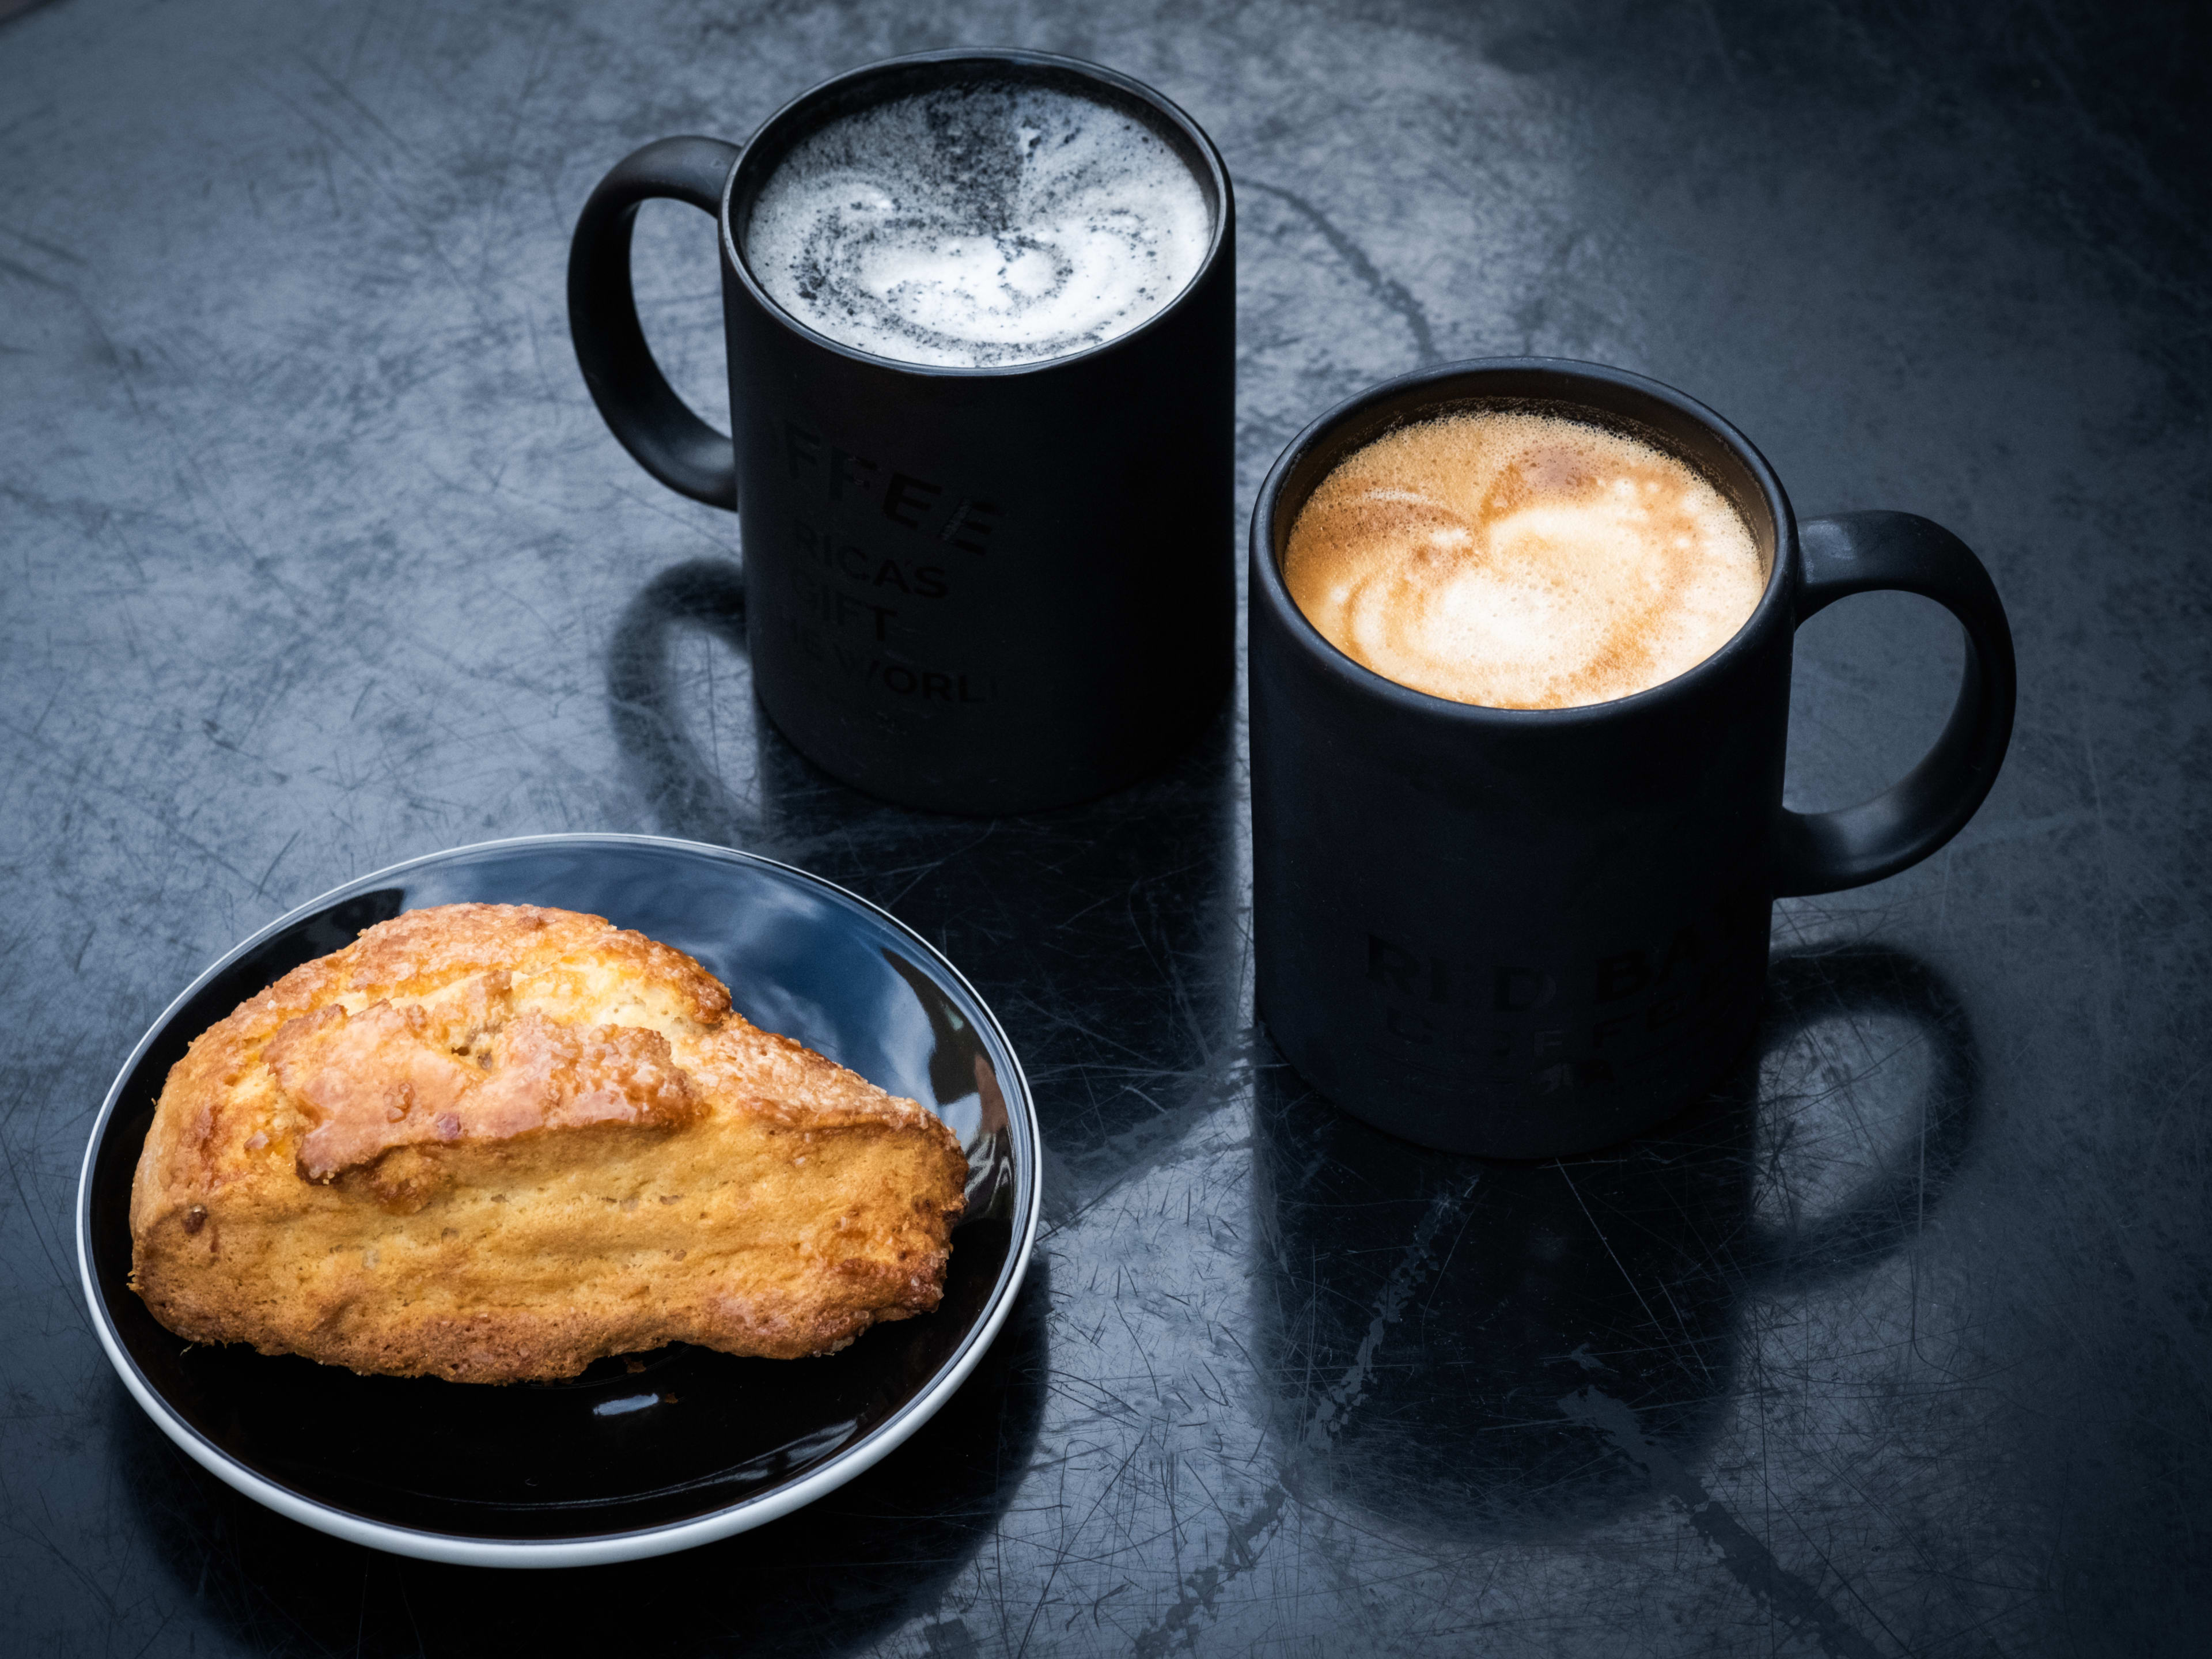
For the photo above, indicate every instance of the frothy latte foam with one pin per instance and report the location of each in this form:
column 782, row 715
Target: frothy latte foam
column 1522, row 561
column 997, row 223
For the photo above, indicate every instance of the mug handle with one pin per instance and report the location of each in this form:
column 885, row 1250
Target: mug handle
column 650, row 420
column 1864, row 553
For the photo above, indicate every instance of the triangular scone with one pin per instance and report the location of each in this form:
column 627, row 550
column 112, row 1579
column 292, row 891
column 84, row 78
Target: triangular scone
column 493, row 1143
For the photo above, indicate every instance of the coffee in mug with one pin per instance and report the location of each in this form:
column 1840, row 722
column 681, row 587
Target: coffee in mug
column 1522, row 560
column 975, row 225
column 980, row 309
column 1517, row 827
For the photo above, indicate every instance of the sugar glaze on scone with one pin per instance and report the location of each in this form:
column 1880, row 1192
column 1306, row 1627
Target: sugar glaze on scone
column 493, row 1143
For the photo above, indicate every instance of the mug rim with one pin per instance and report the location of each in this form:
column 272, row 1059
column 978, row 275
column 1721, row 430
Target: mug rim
column 1448, row 382
column 1215, row 169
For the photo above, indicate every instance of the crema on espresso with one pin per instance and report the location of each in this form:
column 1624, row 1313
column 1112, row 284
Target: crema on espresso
column 1522, row 561
column 995, row 222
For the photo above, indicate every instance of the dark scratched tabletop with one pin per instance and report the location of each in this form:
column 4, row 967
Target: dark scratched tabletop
column 315, row 555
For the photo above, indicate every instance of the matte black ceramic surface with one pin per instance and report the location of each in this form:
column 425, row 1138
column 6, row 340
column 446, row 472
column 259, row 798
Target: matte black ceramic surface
column 318, row 557
column 976, row 590
column 640, row 1453
column 1532, row 932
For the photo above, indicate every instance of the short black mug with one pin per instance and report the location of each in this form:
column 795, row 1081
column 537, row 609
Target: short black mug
column 972, row 590
column 1529, row 933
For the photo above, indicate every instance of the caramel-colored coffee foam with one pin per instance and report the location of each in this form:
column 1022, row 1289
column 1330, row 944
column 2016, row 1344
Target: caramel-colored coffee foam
column 1522, row 561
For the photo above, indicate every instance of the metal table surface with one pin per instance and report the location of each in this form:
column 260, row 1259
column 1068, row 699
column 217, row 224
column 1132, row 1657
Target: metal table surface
column 316, row 556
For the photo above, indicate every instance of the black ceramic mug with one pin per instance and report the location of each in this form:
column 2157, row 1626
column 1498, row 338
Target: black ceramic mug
column 974, row 590
column 1528, row 933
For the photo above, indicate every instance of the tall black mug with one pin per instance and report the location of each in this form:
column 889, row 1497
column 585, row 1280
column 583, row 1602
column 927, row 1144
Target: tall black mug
column 1529, row 933
column 972, row 590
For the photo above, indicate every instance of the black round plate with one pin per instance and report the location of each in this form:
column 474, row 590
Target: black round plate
column 639, row 1456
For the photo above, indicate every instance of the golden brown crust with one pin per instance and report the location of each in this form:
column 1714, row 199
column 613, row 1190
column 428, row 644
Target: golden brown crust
column 493, row 1143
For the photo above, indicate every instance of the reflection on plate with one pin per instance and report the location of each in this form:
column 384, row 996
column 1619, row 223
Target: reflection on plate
column 640, row 1455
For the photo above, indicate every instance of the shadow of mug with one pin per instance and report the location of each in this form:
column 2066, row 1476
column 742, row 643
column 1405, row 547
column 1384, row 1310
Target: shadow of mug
column 688, row 789
column 842, row 1572
column 1103, row 934
column 1521, row 1350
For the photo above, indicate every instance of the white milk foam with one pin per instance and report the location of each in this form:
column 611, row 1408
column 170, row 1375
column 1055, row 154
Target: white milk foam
column 1522, row 561
column 972, row 226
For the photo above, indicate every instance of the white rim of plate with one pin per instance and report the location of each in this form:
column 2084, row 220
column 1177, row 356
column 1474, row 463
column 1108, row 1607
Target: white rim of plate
column 741, row 1516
